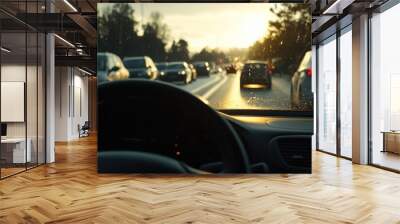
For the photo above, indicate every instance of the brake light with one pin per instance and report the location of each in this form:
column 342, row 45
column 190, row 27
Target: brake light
column 308, row 72
column 268, row 71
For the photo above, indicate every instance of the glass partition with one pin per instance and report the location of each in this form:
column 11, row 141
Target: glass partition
column 15, row 149
column 22, row 88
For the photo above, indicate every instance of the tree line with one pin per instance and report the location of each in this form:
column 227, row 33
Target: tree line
column 119, row 32
column 288, row 37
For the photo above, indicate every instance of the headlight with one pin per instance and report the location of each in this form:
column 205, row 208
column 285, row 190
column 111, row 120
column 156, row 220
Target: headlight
column 182, row 72
column 162, row 73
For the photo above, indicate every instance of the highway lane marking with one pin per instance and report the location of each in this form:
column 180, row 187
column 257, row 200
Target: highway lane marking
column 205, row 85
column 214, row 88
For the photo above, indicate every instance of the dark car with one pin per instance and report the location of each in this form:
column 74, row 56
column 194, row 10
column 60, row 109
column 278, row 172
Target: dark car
column 255, row 72
column 202, row 68
column 301, row 92
column 176, row 72
column 161, row 66
column 230, row 69
column 141, row 67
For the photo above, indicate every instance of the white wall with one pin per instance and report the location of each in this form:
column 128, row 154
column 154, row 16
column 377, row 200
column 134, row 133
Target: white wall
column 12, row 73
column 71, row 102
column 33, row 126
column 62, row 82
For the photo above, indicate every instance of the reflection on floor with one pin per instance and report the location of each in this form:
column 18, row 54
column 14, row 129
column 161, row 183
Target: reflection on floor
column 387, row 159
column 71, row 191
column 10, row 169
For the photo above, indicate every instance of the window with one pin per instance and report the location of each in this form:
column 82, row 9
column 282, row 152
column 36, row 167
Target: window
column 385, row 89
column 327, row 95
column 346, row 93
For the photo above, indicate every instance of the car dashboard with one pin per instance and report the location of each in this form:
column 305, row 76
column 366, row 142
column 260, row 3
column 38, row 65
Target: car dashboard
column 281, row 143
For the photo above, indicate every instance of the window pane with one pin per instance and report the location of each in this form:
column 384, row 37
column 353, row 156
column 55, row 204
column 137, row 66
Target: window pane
column 385, row 84
column 346, row 94
column 327, row 96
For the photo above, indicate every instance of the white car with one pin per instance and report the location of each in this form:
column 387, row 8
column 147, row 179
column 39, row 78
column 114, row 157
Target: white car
column 110, row 67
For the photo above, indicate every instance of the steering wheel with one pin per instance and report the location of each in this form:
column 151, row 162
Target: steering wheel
column 154, row 127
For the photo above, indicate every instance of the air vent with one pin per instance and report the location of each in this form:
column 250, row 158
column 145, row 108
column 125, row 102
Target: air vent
column 295, row 151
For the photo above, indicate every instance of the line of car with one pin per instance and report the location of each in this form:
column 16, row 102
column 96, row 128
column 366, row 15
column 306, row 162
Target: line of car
column 111, row 67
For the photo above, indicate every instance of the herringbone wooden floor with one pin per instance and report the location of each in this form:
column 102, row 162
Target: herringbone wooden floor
column 70, row 191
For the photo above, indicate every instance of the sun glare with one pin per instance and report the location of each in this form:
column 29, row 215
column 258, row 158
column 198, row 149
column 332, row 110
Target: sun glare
column 251, row 29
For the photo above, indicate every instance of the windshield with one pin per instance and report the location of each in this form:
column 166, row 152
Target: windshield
column 200, row 64
column 176, row 66
column 162, row 66
column 245, row 62
column 254, row 68
column 134, row 63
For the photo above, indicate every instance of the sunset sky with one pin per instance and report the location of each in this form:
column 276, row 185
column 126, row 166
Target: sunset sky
column 214, row 25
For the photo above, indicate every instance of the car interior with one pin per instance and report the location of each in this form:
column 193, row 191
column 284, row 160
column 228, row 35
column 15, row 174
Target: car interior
column 154, row 127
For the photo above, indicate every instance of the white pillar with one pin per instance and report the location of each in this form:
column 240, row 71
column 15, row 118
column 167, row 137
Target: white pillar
column 50, row 92
column 360, row 90
column 314, row 90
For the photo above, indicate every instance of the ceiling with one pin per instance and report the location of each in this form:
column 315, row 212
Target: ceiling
column 74, row 21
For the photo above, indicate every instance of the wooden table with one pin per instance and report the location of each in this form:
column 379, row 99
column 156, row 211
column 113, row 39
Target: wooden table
column 391, row 141
column 13, row 150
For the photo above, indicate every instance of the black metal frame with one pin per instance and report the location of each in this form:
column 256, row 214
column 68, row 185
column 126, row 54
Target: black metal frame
column 0, row 88
column 338, row 98
column 369, row 70
column 316, row 101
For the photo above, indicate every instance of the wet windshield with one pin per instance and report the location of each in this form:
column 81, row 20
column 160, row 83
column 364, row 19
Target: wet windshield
column 162, row 66
column 176, row 66
column 102, row 63
column 245, row 56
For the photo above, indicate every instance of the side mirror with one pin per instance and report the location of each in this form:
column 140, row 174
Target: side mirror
column 114, row 69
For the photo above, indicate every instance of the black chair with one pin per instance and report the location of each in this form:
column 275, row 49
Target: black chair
column 84, row 130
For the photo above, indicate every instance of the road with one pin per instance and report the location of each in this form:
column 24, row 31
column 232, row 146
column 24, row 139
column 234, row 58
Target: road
column 223, row 91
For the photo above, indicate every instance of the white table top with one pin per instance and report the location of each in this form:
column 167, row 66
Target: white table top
column 13, row 140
